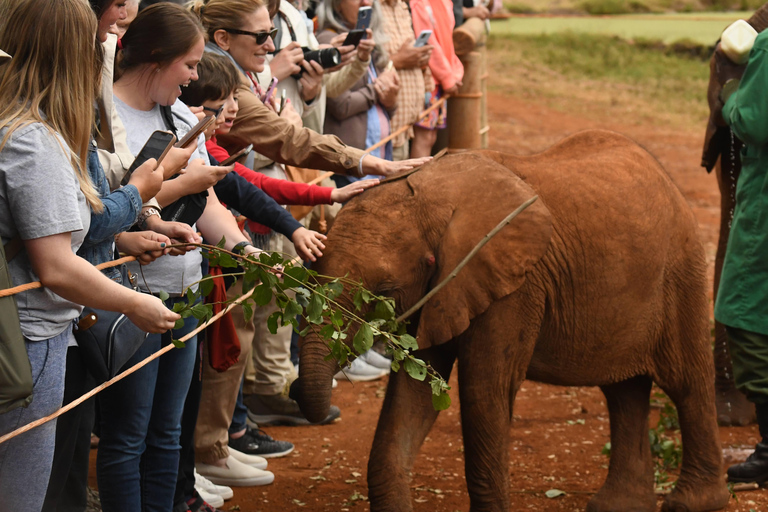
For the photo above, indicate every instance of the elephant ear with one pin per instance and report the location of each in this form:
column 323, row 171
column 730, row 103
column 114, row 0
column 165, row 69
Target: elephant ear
column 481, row 193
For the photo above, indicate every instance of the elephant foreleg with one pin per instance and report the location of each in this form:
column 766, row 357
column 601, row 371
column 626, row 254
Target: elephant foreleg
column 406, row 417
column 629, row 486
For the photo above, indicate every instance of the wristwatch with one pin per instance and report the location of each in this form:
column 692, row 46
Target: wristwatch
column 142, row 222
column 729, row 87
column 239, row 248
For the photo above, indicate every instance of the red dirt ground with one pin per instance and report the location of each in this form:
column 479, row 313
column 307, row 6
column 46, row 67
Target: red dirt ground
column 558, row 432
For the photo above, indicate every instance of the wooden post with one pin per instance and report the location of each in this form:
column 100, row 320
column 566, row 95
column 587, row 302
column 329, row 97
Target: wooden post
column 484, row 127
column 467, row 119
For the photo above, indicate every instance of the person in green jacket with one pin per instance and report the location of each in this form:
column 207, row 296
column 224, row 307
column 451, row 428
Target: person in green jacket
column 742, row 300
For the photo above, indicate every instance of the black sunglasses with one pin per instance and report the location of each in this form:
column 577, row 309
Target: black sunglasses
column 215, row 111
column 261, row 37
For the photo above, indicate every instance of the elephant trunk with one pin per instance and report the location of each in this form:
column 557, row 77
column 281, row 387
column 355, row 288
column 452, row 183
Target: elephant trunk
column 312, row 390
column 759, row 20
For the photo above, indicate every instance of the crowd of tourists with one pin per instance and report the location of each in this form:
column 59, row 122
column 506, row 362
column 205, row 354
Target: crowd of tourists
column 84, row 85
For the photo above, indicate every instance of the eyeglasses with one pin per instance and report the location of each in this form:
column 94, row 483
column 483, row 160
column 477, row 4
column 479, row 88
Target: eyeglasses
column 214, row 111
column 261, row 37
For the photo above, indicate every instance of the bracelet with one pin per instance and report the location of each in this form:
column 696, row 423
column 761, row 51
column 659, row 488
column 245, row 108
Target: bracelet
column 239, row 247
column 142, row 221
column 360, row 165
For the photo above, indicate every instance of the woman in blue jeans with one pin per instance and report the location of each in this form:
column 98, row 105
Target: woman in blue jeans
column 138, row 458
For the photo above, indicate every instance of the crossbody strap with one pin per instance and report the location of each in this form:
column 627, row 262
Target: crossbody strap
column 12, row 248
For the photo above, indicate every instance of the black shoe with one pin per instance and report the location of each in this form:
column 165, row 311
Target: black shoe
column 257, row 442
column 754, row 469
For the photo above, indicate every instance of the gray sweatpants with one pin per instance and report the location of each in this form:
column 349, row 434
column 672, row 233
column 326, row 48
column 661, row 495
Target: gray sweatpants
column 25, row 460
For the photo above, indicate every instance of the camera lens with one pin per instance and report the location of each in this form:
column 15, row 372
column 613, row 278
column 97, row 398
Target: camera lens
column 327, row 57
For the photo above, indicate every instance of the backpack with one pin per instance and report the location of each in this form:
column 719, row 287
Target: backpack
column 15, row 370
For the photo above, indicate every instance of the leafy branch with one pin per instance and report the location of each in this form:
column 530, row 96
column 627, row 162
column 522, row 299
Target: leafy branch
column 315, row 299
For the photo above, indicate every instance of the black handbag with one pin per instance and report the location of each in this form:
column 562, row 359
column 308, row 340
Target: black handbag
column 107, row 339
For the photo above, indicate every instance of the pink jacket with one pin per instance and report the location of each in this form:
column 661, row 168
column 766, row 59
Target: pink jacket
column 437, row 16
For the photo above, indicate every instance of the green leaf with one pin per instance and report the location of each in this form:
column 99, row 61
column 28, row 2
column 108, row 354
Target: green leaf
column 247, row 311
column 295, row 276
column 179, row 344
column 200, row 311
column 441, row 402
column 554, row 493
column 272, row 321
column 227, row 261
column 409, row 342
column 414, row 369
column 327, row 331
column 179, row 323
column 206, row 287
column 363, row 340
column 337, row 318
column 315, row 309
column 302, row 296
column 335, row 288
column 357, row 299
column 179, row 306
column 163, row 296
column 262, row 295
column 221, row 243
column 190, row 296
column 395, row 366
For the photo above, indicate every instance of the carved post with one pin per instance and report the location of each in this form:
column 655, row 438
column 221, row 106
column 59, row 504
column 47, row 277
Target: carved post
column 467, row 120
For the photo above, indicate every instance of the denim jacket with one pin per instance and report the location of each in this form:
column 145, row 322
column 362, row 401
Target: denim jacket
column 121, row 209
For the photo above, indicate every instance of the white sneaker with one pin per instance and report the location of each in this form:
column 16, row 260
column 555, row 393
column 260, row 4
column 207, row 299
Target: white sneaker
column 236, row 474
column 334, row 384
column 249, row 460
column 213, row 500
column 203, row 484
column 360, row 371
column 373, row 358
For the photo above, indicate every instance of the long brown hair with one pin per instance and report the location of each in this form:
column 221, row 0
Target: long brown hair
column 160, row 34
column 220, row 14
column 53, row 76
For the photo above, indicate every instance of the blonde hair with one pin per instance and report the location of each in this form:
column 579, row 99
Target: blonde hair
column 53, row 76
column 220, row 14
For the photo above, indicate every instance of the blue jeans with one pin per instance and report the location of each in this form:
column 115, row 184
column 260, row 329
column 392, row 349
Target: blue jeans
column 138, row 459
column 240, row 414
column 25, row 460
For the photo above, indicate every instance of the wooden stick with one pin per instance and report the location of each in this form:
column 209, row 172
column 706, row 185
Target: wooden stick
column 124, row 374
column 472, row 253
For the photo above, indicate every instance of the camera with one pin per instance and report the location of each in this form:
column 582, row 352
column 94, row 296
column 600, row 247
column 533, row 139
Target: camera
column 326, row 57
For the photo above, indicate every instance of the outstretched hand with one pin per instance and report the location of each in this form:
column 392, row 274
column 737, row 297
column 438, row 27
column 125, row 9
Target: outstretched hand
column 147, row 246
column 308, row 244
column 380, row 167
column 344, row 194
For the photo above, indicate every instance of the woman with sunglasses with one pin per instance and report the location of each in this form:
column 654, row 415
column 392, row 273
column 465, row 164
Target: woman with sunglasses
column 242, row 31
column 139, row 446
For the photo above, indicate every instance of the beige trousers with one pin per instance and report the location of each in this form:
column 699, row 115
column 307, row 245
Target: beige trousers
column 401, row 152
column 220, row 389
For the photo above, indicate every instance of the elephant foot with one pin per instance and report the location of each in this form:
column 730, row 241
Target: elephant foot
column 626, row 500
column 733, row 408
column 697, row 499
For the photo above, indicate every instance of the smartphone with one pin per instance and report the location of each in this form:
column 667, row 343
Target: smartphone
column 234, row 157
column 270, row 90
column 363, row 18
column 157, row 146
column 354, row 37
column 282, row 102
column 194, row 133
column 423, row 38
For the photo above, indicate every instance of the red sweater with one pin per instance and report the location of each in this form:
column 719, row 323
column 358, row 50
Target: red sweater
column 282, row 191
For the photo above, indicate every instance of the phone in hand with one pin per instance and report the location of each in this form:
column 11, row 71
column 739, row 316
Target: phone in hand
column 194, row 133
column 423, row 38
column 234, row 157
column 282, row 102
column 270, row 90
column 354, row 37
column 363, row 18
column 157, row 146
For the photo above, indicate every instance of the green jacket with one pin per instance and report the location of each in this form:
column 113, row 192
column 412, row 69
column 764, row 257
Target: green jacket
column 742, row 299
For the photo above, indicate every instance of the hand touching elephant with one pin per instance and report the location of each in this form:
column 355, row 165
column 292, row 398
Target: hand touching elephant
column 600, row 282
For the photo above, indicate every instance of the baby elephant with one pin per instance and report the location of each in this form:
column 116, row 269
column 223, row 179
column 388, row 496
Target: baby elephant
column 601, row 282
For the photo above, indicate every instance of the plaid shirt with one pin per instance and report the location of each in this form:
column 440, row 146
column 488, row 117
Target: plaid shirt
column 413, row 82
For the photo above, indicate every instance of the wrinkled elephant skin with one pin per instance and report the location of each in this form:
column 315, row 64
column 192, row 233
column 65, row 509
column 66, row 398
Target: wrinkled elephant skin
column 601, row 282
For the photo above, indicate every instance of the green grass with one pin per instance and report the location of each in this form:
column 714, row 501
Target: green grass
column 702, row 28
column 628, row 6
column 568, row 67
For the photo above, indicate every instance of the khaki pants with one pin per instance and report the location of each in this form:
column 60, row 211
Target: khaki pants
column 401, row 152
column 270, row 371
column 220, row 390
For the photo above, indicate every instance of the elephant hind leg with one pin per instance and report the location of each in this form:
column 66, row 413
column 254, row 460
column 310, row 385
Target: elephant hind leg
column 629, row 486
